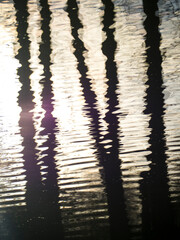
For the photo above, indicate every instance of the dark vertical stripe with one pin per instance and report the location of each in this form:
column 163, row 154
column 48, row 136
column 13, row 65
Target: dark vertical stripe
column 51, row 207
column 156, row 211
column 78, row 45
column 43, row 215
column 25, row 99
column 89, row 95
column 111, row 165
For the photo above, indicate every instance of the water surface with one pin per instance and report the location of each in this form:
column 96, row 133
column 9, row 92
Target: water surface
column 89, row 119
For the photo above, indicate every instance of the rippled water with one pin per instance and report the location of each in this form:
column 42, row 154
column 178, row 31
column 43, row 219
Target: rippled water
column 89, row 119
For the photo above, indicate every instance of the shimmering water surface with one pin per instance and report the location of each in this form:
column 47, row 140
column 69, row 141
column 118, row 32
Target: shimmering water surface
column 89, row 119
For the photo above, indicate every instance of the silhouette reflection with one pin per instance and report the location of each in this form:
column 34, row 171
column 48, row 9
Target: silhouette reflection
column 90, row 135
column 113, row 174
column 82, row 197
column 43, row 216
column 25, row 99
column 157, row 219
column 108, row 159
column 51, row 190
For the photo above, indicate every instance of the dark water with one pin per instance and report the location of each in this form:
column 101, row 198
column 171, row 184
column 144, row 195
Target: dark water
column 89, row 119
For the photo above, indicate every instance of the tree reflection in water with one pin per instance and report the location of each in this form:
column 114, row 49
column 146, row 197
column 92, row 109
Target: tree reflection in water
column 40, row 216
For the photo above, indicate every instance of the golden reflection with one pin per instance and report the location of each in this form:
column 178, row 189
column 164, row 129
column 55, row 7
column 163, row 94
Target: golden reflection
column 12, row 177
column 93, row 37
column 133, row 124
column 170, row 50
column 79, row 179
column 34, row 33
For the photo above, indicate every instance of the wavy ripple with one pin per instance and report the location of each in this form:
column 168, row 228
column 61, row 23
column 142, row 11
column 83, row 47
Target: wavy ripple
column 89, row 119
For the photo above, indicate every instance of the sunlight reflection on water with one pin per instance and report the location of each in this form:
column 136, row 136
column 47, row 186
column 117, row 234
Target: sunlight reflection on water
column 89, row 119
